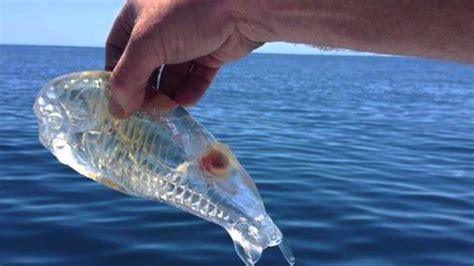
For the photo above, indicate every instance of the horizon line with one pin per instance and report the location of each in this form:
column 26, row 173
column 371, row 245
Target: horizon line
column 322, row 53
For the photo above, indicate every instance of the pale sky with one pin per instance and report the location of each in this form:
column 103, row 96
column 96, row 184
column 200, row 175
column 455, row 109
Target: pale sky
column 81, row 23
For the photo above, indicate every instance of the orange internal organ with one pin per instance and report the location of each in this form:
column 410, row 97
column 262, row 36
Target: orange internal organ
column 216, row 162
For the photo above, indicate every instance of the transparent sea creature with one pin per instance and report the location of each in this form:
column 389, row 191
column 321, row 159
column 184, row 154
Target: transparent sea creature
column 163, row 156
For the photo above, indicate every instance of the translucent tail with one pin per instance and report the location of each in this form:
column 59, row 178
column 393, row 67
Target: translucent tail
column 286, row 251
column 251, row 239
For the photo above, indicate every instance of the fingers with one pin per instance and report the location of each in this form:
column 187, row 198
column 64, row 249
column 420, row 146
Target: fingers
column 132, row 73
column 136, row 48
column 116, row 43
column 195, row 85
column 118, row 38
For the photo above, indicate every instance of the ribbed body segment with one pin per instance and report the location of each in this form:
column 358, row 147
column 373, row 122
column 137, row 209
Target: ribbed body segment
column 145, row 160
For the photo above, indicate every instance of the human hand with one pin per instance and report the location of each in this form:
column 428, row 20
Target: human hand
column 193, row 38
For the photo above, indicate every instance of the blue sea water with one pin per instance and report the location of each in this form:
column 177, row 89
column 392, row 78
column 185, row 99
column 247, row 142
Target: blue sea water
column 359, row 160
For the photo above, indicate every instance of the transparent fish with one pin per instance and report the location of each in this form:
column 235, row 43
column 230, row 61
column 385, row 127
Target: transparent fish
column 163, row 156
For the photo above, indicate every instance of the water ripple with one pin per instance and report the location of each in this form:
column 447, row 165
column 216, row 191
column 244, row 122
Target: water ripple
column 359, row 160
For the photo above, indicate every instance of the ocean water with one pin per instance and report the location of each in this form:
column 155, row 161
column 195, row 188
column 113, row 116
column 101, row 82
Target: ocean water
column 359, row 160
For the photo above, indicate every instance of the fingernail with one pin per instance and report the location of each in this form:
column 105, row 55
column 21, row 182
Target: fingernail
column 115, row 109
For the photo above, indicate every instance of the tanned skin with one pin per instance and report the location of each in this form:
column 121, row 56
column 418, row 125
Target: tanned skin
column 196, row 38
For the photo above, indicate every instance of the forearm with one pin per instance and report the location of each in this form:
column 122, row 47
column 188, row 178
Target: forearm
column 436, row 29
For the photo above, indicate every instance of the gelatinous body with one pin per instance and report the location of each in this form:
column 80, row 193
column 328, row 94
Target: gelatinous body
column 164, row 156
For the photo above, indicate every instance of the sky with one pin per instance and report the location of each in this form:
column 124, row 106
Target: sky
column 83, row 23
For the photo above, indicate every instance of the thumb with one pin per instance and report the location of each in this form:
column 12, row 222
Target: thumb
column 131, row 74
